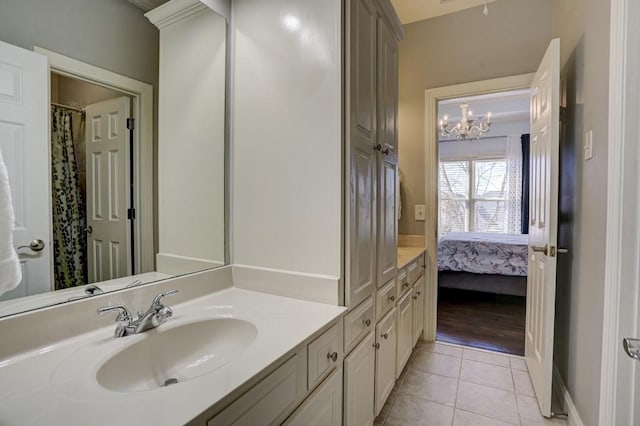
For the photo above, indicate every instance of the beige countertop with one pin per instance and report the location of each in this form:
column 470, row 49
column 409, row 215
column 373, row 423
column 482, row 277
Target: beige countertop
column 408, row 254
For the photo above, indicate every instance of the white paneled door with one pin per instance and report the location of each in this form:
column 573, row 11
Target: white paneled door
column 107, row 148
column 543, row 226
column 24, row 141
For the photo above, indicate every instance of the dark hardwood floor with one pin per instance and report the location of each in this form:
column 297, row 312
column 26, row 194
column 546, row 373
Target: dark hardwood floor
column 481, row 320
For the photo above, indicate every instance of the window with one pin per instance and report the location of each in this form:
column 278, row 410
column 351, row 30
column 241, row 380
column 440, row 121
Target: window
column 473, row 195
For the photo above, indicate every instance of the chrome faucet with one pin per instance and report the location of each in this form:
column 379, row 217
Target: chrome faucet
column 152, row 318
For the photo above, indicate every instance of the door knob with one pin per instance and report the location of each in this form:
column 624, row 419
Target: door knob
column 632, row 347
column 35, row 245
column 88, row 229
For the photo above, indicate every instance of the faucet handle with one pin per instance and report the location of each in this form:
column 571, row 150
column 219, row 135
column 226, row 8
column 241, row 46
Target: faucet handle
column 123, row 313
column 158, row 298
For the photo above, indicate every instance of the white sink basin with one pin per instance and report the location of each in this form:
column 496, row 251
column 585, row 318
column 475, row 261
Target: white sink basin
column 174, row 355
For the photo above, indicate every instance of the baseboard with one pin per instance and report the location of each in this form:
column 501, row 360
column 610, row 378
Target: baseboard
column 563, row 395
column 311, row 287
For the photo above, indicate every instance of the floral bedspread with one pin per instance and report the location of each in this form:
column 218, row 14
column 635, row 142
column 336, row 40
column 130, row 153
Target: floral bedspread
column 483, row 253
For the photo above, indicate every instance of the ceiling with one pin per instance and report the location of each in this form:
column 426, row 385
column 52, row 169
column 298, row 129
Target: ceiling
column 417, row 10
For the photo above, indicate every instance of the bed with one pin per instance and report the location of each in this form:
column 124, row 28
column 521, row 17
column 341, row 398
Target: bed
column 488, row 262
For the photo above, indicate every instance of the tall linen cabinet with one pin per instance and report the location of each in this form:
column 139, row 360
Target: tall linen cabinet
column 371, row 173
column 314, row 152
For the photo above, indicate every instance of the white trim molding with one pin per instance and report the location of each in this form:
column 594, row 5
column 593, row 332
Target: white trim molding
column 142, row 94
column 432, row 96
column 564, row 397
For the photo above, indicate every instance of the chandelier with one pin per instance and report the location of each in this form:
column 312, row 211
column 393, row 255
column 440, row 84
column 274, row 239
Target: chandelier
column 467, row 127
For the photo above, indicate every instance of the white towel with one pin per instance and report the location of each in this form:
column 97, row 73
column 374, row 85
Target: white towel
column 10, row 272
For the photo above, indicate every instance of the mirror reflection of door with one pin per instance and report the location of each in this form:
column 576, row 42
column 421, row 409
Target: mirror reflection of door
column 90, row 182
column 107, row 154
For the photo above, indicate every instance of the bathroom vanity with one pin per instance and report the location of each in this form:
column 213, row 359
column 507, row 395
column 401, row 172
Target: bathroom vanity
column 227, row 356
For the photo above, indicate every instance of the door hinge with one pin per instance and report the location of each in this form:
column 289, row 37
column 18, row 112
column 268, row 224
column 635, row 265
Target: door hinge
column 131, row 214
column 131, row 123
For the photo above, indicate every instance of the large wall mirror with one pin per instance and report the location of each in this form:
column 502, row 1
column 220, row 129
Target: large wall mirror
column 116, row 175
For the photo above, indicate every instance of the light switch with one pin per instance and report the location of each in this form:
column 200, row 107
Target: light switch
column 420, row 212
column 588, row 145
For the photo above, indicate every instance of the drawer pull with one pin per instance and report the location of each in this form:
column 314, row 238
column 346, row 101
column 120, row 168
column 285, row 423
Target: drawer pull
column 367, row 322
column 414, row 297
column 376, row 345
column 333, row 356
column 418, row 293
column 405, row 285
column 392, row 298
column 385, row 335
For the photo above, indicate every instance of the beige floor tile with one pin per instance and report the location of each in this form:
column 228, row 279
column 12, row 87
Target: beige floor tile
column 430, row 386
column 528, row 408
column 408, row 410
column 523, row 383
column 518, row 364
column 543, row 422
column 489, row 358
column 466, row 418
column 486, row 374
column 442, row 349
column 443, row 365
column 488, row 401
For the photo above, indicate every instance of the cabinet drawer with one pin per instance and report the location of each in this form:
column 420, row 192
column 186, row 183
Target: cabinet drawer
column 400, row 280
column 421, row 262
column 266, row 402
column 413, row 272
column 385, row 299
column 357, row 323
column 324, row 355
column 402, row 285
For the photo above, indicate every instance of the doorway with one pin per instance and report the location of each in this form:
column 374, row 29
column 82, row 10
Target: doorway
column 92, row 168
column 483, row 170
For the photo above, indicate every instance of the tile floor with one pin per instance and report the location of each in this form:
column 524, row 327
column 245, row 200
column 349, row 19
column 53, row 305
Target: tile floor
column 446, row 384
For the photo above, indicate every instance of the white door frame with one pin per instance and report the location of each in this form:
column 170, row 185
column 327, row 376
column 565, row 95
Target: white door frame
column 432, row 96
column 142, row 95
column 623, row 223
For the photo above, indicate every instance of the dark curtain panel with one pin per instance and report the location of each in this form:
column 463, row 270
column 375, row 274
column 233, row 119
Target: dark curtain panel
column 524, row 214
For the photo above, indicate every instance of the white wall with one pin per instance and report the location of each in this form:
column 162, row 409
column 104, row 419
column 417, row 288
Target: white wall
column 286, row 150
column 191, row 148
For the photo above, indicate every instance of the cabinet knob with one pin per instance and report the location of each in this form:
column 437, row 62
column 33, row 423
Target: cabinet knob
column 392, row 298
column 405, row 285
column 367, row 322
column 386, row 151
column 376, row 345
column 333, row 356
column 414, row 297
column 418, row 293
column 378, row 147
column 385, row 335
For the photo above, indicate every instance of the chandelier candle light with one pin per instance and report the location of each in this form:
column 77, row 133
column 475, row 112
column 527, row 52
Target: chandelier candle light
column 466, row 129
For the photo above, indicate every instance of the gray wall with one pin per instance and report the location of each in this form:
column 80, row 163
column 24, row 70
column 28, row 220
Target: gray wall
column 111, row 34
column 583, row 26
column 458, row 48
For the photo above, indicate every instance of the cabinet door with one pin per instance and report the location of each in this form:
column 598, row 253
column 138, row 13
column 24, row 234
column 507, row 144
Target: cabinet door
column 385, row 359
column 418, row 309
column 359, row 369
column 405, row 336
column 362, row 190
column 387, row 223
column 387, row 91
column 323, row 407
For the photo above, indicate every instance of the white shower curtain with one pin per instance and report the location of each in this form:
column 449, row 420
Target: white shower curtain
column 514, row 184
